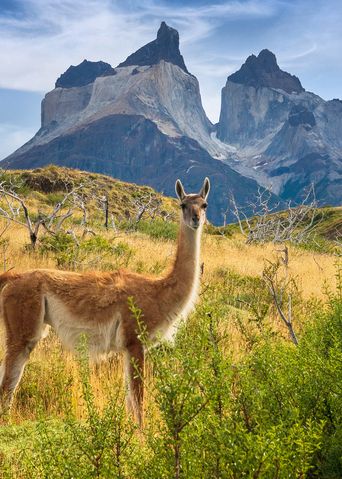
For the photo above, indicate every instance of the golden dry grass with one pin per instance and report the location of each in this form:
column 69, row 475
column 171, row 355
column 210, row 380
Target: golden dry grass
column 313, row 272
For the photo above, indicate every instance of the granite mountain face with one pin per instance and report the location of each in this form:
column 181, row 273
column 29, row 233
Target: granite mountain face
column 143, row 121
column 284, row 136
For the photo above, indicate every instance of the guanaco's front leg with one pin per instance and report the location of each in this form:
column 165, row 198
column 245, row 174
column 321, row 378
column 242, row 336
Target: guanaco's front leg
column 134, row 369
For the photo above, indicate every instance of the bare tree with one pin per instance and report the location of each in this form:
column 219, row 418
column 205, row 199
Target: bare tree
column 295, row 224
column 103, row 204
column 106, row 210
column 14, row 208
column 225, row 214
column 277, row 289
column 146, row 205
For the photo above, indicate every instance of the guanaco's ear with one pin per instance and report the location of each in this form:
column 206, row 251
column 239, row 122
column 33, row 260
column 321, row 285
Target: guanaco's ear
column 205, row 189
column 179, row 190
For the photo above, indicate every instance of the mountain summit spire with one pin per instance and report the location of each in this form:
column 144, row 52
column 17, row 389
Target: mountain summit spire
column 164, row 47
column 263, row 71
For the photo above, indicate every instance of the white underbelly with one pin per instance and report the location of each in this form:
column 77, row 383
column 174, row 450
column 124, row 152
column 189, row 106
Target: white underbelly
column 100, row 338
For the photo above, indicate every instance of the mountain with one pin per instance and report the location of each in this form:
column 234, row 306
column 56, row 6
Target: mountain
column 142, row 121
column 284, row 136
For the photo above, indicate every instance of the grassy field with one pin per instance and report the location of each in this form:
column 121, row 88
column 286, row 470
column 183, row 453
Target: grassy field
column 232, row 398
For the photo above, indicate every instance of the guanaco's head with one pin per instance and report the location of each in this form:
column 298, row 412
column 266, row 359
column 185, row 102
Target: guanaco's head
column 193, row 205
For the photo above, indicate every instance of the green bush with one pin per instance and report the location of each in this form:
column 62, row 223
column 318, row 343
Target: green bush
column 95, row 252
column 54, row 197
column 157, row 228
column 319, row 244
column 228, row 231
column 56, row 243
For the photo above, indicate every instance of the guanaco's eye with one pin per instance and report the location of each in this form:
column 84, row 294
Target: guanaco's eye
column 182, row 205
column 204, row 205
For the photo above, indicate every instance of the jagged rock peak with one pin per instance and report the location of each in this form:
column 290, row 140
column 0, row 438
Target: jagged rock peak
column 83, row 74
column 164, row 47
column 263, row 71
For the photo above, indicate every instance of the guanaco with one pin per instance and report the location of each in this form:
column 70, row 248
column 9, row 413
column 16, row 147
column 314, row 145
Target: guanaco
column 96, row 304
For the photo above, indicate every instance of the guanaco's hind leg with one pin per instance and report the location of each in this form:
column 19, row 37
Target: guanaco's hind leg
column 24, row 328
column 134, row 370
column 13, row 367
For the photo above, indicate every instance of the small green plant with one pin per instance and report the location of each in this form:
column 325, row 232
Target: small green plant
column 54, row 197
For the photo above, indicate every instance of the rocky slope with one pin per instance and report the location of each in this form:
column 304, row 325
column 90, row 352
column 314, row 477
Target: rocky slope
column 83, row 74
column 152, row 82
column 285, row 137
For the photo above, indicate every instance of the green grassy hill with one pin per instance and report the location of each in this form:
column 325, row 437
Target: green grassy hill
column 48, row 185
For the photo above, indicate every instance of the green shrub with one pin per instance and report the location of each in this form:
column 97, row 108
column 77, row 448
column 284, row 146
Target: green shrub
column 95, row 252
column 319, row 244
column 227, row 231
column 157, row 228
column 96, row 244
column 60, row 242
column 53, row 197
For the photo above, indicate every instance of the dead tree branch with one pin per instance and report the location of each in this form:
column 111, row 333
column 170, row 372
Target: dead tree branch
column 277, row 293
column 295, row 224
column 146, row 205
column 14, row 208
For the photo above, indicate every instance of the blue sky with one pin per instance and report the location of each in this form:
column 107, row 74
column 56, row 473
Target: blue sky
column 40, row 38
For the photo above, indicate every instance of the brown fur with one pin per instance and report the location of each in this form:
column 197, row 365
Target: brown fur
column 97, row 304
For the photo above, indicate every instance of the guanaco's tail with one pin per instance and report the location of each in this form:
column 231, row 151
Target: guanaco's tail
column 5, row 278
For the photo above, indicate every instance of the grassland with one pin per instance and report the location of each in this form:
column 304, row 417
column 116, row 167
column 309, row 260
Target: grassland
column 233, row 368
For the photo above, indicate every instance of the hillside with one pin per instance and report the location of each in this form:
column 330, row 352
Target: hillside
column 43, row 187
column 52, row 181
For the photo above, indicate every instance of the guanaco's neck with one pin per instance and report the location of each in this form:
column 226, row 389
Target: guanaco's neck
column 185, row 273
column 187, row 259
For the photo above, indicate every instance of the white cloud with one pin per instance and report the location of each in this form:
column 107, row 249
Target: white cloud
column 48, row 36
